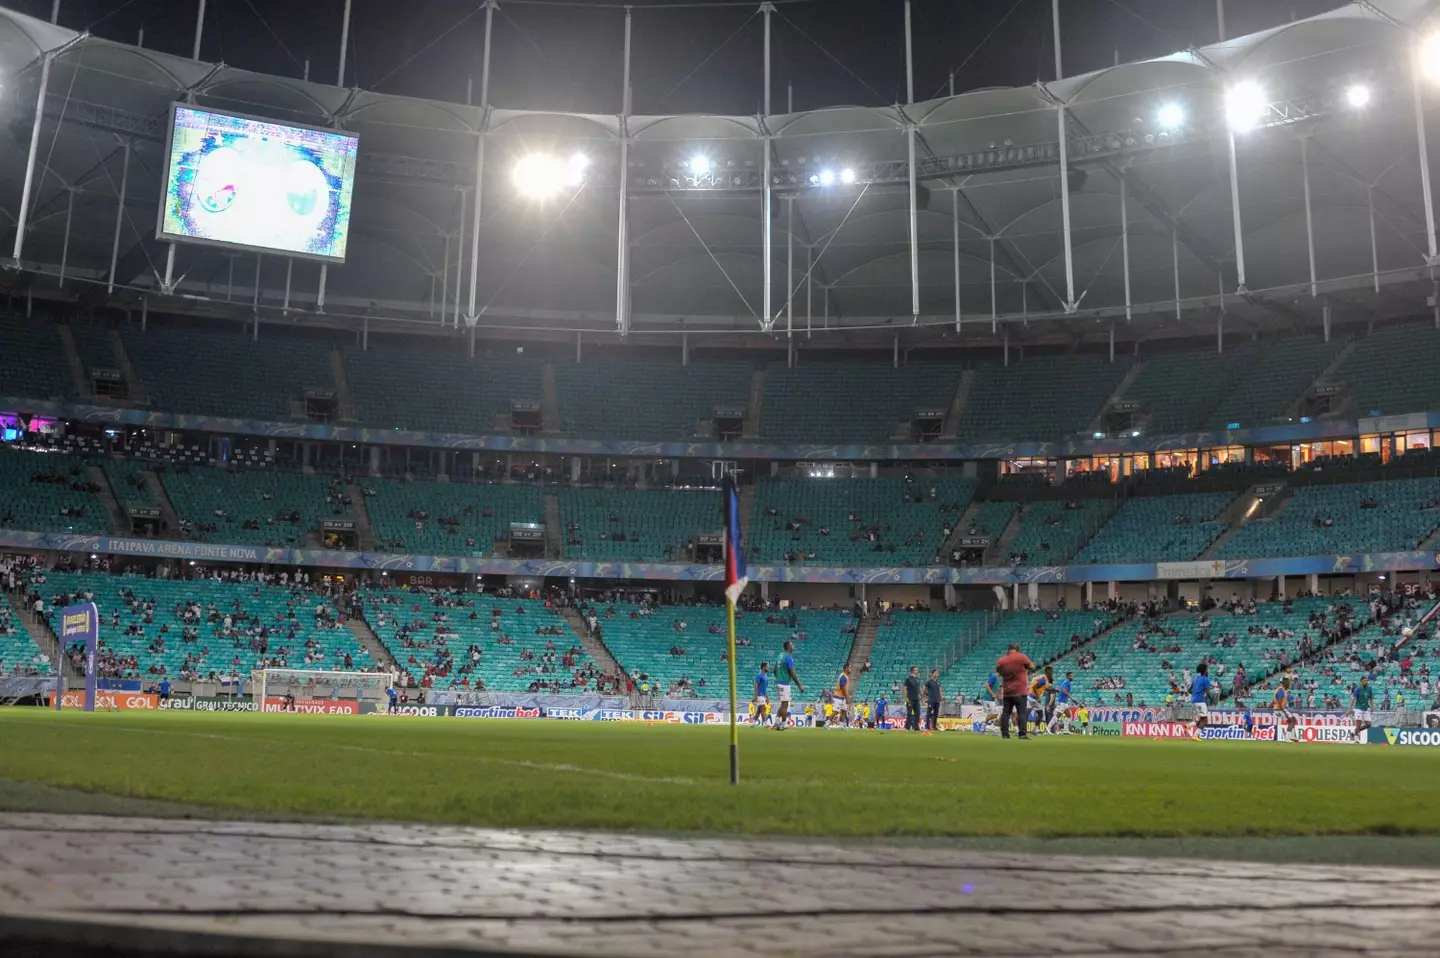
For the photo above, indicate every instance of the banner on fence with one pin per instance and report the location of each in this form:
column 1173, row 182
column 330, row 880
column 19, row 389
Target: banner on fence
column 273, row 703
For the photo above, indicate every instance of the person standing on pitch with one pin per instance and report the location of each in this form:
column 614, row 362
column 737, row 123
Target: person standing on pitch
column 785, row 677
column 932, row 701
column 842, row 698
column 1199, row 693
column 912, row 700
column 1014, row 670
column 762, row 683
column 1362, row 697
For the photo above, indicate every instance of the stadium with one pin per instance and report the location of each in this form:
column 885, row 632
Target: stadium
column 556, row 526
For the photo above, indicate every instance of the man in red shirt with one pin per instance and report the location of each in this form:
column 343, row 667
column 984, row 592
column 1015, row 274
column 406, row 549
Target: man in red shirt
column 1014, row 671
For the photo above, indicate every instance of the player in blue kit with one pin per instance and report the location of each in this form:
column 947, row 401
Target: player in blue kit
column 762, row 684
column 785, row 677
column 1200, row 687
column 1061, row 709
column 881, row 704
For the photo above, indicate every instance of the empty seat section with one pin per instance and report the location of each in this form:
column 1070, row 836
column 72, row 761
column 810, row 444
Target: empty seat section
column 1283, row 371
column 1041, row 398
column 447, row 518
column 251, row 507
column 646, row 398
column 652, row 526
column 127, row 482
column 1051, row 532
column 526, row 647
column 885, row 521
column 226, row 374
column 1178, row 391
column 1043, row 636
column 1141, row 656
column 1355, row 517
column 158, row 648
column 850, row 402
column 47, row 493
column 1159, row 529
column 32, row 359
column 92, row 342
column 646, row 644
column 438, row 387
column 990, row 518
column 913, row 638
column 19, row 655
column 1392, row 370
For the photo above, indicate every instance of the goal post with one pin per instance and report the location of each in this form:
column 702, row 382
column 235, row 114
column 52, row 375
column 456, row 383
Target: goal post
column 311, row 685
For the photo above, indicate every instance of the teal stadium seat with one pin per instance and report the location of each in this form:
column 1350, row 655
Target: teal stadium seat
column 643, row 643
column 829, row 503
column 395, row 503
column 656, row 524
column 829, row 402
column 32, row 359
column 438, row 387
column 267, row 605
column 1405, row 513
column 199, row 371
column 1281, row 372
column 36, row 506
column 1179, row 391
column 19, row 655
column 127, row 482
column 440, row 659
column 1148, row 529
column 201, row 490
column 904, row 639
column 1050, row 533
column 1046, row 397
column 1043, row 636
column 646, row 398
column 1392, row 370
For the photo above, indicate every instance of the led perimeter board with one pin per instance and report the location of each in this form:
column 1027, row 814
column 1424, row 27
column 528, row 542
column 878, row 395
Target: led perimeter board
column 253, row 184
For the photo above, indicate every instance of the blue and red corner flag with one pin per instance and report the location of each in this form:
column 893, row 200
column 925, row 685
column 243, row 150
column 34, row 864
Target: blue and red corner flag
column 736, row 574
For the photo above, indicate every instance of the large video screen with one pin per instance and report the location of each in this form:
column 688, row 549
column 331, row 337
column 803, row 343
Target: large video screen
column 259, row 185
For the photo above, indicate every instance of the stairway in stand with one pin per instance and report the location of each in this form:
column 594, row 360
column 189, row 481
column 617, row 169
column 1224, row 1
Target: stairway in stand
column 364, row 531
column 596, row 647
column 372, row 644
column 864, row 642
column 112, row 505
column 41, row 633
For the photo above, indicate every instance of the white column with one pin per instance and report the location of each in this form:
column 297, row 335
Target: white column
column 1325, row 318
column 809, row 287
column 1124, row 254
column 167, row 285
column 1235, row 214
column 1374, row 247
column 55, row 12
column 445, row 282
column 69, row 212
column 993, row 301
column 144, row 313
column 255, row 299
column 480, row 173
column 230, row 283
column 460, row 256
column 955, row 240
column 344, row 44
column 1434, row 255
column 1007, row 344
column 199, row 31
column 1175, row 263
column 20, row 220
column 1309, row 215
column 320, row 289
column 895, row 351
column 289, row 271
column 365, row 334
column 910, row 136
column 622, row 226
column 1112, row 340
column 1069, row 304
column 765, row 215
column 1220, row 19
column 789, row 265
column 1220, row 331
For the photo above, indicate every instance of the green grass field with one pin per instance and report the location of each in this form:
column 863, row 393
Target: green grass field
column 675, row 778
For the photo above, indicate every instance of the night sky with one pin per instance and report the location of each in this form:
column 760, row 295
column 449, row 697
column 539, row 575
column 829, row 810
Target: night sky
column 567, row 57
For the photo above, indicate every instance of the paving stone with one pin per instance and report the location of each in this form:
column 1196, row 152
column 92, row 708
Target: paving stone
column 570, row 893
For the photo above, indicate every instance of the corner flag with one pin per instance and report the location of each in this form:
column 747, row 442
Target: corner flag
column 736, row 575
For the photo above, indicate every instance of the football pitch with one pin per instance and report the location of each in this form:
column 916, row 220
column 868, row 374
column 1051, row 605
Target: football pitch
column 674, row 779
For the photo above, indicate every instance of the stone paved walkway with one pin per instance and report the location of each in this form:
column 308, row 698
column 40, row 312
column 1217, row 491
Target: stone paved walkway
column 558, row 893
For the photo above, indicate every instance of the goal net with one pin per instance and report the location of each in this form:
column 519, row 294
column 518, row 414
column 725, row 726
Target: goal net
column 310, row 690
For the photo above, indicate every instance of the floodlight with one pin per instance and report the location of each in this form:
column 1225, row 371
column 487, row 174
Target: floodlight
column 700, row 165
column 827, row 177
column 540, row 175
column 1245, row 106
column 847, row 176
column 1430, row 57
column 1171, row 115
column 1358, row 96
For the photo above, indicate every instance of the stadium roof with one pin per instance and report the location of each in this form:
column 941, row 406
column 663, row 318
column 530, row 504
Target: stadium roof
column 990, row 196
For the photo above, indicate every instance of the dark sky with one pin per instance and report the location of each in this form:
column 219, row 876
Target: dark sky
column 567, row 57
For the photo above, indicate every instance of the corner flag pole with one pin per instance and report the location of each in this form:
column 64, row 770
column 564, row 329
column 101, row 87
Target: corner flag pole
column 734, row 721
